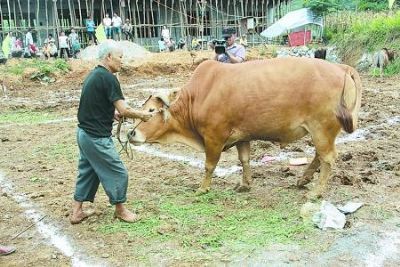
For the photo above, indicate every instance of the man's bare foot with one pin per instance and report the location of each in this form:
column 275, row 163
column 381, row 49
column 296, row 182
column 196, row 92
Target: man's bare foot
column 79, row 217
column 124, row 214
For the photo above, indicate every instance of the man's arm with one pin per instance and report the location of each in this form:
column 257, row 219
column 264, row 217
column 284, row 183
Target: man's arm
column 126, row 111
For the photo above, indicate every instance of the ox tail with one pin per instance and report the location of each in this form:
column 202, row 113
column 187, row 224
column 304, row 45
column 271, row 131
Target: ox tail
column 350, row 100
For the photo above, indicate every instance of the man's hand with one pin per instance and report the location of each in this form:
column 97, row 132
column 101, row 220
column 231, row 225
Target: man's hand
column 144, row 115
column 117, row 115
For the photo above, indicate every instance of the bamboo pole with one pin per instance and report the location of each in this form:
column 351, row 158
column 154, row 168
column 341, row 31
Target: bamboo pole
column 165, row 12
column 112, row 8
column 47, row 18
column 37, row 12
column 135, row 34
column 62, row 13
column 92, row 10
column 130, row 11
column 87, row 8
column 80, row 13
column 29, row 13
column 15, row 15
column 172, row 16
column 9, row 13
column 1, row 14
column 152, row 18
column 70, row 13
column 138, row 18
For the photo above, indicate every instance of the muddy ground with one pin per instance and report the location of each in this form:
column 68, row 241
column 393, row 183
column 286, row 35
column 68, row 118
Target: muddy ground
column 38, row 170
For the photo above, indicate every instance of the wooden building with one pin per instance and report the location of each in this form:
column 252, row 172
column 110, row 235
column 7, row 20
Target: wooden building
column 185, row 18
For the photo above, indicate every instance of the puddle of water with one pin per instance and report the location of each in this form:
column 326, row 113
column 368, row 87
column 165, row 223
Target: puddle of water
column 47, row 229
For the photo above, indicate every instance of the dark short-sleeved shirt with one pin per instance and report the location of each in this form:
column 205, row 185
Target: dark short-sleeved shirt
column 96, row 107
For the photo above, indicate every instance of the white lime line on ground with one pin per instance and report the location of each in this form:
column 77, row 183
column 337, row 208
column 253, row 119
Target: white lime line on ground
column 388, row 247
column 47, row 229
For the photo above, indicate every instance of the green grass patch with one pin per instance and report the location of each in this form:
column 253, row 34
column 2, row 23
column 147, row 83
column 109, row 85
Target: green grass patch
column 26, row 117
column 219, row 220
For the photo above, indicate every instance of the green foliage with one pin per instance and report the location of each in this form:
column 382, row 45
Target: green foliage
column 25, row 117
column 320, row 7
column 375, row 5
column 373, row 34
column 219, row 220
column 44, row 70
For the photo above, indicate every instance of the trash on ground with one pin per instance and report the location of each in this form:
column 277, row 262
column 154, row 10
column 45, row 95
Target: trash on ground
column 298, row 161
column 329, row 217
column 266, row 159
column 350, row 207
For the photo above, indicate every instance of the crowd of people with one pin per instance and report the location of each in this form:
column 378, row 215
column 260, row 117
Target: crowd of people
column 68, row 46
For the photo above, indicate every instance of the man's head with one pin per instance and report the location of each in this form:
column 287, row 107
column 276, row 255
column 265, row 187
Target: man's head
column 107, row 15
column 110, row 55
column 229, row 35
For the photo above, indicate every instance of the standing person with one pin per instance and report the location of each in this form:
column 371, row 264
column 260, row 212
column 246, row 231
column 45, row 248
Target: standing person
column 90, row 27
column 107, row 26
column 74, row 42
column 101, row 101
column 127, row 30
column 165, row 34
column 116, row 25
column 63, row 44
column 234, row 53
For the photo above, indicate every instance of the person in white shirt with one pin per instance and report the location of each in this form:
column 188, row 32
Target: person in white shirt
column 50, row 48
column 165, row 34
column 107, row 22
column 116, row 25
column 63, row 44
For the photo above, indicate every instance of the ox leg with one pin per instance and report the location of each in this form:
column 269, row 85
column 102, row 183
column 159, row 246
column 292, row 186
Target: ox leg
column 213, row 153
column 309, row 172
column 326, row 149
column 244, row 157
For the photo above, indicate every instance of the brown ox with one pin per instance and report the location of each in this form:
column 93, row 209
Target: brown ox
column 279, row 100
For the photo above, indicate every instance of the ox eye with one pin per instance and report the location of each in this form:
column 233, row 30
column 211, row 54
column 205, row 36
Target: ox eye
column 151, row 110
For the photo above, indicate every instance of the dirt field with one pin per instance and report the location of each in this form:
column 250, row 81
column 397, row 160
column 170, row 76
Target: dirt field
column 38, row 162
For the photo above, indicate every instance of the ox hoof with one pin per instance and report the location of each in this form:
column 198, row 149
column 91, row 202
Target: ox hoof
column 202, row 191
column 240, row 188
column 303, row 181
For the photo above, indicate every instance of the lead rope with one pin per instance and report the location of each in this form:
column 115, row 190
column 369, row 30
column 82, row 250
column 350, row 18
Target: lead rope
column 125, row 145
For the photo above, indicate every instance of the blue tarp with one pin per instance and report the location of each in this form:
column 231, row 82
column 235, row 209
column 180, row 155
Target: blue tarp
column 290, row 21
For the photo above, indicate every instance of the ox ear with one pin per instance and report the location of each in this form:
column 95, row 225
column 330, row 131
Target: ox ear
column 167, row 99
column 163, row 98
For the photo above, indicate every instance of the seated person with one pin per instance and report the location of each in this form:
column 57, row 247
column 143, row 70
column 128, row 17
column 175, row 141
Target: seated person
column 161, row 45
column 181, row 43
column 49, row 49
column 171, row 45
column 16, row 48
column 195, row 44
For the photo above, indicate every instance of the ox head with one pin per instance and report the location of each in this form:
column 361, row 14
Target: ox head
column 154, row 130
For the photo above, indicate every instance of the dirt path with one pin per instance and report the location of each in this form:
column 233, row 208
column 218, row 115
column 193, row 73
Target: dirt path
column 38, row 168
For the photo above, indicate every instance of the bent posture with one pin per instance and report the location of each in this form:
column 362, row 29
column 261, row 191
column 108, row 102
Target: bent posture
column 281, row 100
column 101, row 101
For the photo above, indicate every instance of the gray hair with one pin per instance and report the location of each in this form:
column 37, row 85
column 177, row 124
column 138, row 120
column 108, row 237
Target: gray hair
column 108, row 47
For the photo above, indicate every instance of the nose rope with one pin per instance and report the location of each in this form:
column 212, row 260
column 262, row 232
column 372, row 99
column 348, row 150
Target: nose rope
column 127, row 144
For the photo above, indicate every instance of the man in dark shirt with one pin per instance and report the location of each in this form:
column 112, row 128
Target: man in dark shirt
column 101, row 102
